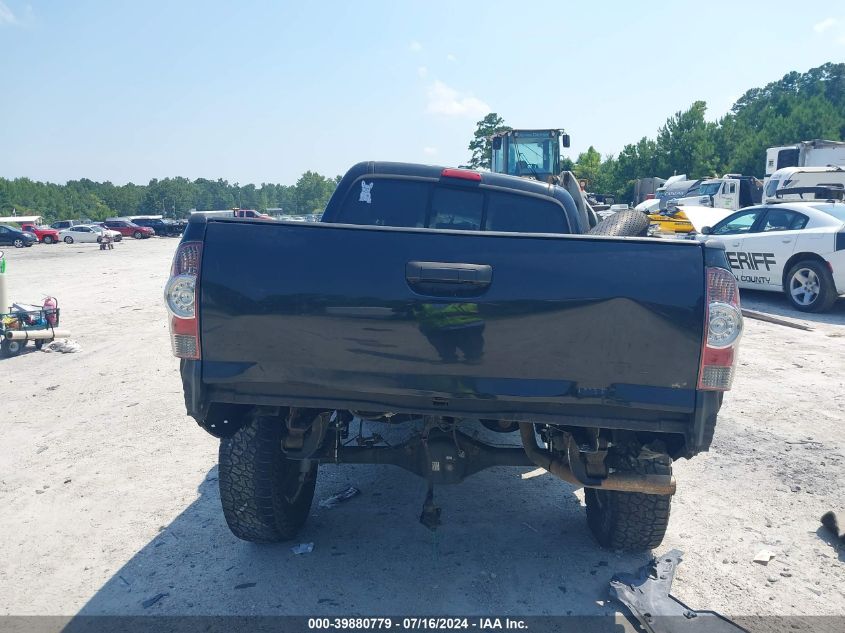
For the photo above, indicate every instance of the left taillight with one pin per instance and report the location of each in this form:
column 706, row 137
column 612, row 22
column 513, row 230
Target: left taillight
column 723, row 330
column 180, row 297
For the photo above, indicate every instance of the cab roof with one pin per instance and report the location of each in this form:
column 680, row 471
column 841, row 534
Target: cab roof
column 829, row 169
column 434, row 172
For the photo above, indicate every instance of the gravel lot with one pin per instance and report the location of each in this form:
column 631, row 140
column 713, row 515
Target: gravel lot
column 110, row 495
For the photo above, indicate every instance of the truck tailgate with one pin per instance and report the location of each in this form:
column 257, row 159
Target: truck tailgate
column 469, row 323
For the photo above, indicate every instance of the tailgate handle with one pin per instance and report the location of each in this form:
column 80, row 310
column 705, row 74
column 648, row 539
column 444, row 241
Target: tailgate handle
column 448, row 273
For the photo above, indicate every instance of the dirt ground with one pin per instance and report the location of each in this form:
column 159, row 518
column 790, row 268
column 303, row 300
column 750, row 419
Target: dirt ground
column 109, row 492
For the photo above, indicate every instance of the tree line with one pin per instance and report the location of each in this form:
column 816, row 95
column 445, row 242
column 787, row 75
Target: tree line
column 170, row 197
column 798, row 107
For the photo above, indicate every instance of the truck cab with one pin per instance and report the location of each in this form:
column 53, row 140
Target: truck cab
column 250, row 213
column 45, row 234
column 781, row 181
column 731, row 191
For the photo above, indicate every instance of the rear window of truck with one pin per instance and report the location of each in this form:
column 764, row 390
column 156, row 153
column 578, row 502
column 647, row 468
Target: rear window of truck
column 410, row 203
column 524, row 214
column 458, row 209
column 385, row 202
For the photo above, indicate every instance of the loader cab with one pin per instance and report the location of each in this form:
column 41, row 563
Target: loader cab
column 528, row 153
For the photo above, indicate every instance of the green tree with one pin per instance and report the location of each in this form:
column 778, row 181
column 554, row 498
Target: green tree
column 566, row 164
column 588, row 166
column 481, row 147
column 313, row 192
column 686, row 143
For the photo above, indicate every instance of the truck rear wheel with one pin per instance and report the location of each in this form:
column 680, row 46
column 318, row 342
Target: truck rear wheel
column 630, row 520
column 265, row 497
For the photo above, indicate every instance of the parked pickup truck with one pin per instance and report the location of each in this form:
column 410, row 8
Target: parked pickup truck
column 45, row 234
column 165, row 228
column 446, row 300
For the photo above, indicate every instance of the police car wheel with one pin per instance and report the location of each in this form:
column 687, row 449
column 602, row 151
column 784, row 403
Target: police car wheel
column 809, row 287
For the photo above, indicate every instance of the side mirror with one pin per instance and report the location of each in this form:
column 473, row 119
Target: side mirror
column 565, row 140
column 706, row 230
column 497, row 142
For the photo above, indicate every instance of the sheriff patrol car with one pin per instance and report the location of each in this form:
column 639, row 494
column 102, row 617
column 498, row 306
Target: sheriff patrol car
column 797, row 249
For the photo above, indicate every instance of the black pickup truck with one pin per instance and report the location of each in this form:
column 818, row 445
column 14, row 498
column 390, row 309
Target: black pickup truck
column 164, row 228
column 446, row 299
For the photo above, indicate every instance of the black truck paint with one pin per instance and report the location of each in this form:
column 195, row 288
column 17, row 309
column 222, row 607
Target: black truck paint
column 341, row 328
column 573, row 325
column 595, row 335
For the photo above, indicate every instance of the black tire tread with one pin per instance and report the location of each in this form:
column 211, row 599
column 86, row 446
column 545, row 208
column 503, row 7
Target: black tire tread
column 9, row 348
column 254, row 475
column 637, row 521
column 628, row 223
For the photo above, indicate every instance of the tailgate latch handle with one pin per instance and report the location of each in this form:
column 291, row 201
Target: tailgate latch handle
column 476, row 275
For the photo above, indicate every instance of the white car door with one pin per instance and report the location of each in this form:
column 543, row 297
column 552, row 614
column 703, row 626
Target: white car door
column 83, row 234
column 771, row 244
column 731, row 232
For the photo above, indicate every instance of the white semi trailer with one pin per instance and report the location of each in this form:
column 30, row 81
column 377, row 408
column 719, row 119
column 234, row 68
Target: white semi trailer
column 815, row 153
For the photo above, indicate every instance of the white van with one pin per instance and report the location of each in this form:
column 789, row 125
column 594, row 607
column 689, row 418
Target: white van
column 793, row 177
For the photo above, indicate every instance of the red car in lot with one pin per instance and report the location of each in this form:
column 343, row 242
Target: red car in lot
column 129, row 229
column 44, row 233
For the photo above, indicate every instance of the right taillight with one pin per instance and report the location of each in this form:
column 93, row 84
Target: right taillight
column 723, row 321
column 180, row 297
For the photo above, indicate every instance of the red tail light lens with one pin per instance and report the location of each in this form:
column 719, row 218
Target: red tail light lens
column 187, row 259
column 180, row 297
column 723, row 321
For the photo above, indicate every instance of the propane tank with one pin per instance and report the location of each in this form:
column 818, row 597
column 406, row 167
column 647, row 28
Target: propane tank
column 50, row 305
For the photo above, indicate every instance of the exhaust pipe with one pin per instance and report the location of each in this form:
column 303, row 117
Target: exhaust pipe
column 621, row 482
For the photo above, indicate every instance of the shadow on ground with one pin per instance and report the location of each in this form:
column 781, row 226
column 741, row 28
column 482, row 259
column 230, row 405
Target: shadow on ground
column 835, row 543
column 507, row 546
column 777, row 304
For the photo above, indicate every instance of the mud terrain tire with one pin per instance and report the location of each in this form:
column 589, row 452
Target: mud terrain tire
column 630, row 521
column 628, row 223
column 265, row 497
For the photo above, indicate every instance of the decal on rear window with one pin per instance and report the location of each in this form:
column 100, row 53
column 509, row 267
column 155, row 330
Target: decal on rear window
column 365, row 192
